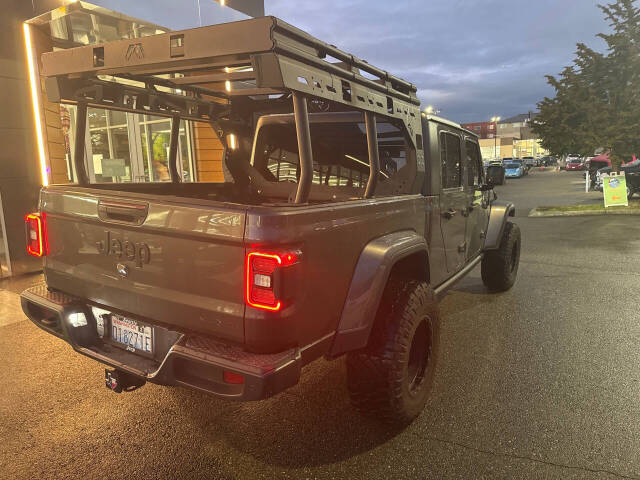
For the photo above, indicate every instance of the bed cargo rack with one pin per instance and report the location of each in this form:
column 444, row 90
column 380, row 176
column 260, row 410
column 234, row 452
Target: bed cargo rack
column 200, row 73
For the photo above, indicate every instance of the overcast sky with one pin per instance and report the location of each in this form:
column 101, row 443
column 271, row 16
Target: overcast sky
column 472, row 59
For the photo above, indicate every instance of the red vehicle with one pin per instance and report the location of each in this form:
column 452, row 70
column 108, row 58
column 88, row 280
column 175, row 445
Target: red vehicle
column 574, row 163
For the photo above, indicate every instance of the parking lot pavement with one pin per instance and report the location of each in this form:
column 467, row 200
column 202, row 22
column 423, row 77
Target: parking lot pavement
column 547, row 188
column 539, row 382
column 10, row 311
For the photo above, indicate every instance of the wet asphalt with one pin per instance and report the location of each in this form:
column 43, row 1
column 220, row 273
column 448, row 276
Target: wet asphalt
column 539, row 382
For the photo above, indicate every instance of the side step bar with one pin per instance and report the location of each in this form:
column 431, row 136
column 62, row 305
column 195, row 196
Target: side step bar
column 441, row 289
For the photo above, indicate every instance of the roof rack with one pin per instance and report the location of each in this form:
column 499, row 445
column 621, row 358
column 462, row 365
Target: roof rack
column 262, row 56
column 201, row 73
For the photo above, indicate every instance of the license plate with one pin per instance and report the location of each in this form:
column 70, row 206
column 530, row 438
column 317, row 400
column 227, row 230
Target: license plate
column 131, row 334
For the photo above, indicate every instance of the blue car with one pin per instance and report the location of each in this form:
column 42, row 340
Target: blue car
column 514, row 169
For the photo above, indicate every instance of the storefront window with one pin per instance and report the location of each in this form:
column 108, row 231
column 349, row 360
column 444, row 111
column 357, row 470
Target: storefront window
column 110, row 157
column 156, row 135
column 118, row 146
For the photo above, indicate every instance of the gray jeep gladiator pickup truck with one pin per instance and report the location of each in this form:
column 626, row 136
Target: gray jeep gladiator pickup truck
column 345, row 213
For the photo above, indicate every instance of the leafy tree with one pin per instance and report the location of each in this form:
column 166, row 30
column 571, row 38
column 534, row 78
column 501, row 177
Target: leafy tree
column 597, row 101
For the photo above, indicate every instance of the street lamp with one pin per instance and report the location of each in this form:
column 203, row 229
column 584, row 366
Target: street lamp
column 431, row 110
column 495, row 135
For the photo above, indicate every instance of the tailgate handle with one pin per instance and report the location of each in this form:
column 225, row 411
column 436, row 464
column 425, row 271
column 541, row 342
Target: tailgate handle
column 133, row 213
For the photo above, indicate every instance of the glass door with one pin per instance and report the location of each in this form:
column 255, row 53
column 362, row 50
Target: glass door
column 128, row 147
column 109, row 149
column 155, row 135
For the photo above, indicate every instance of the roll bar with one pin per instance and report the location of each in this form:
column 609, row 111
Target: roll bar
column 174, row 173
column 78, row 151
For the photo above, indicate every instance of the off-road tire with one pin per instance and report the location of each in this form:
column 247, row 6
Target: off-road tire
column 500, row 267
column 391, row 378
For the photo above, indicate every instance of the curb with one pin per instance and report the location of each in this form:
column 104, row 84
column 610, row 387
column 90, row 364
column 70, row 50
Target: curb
column 581, row 213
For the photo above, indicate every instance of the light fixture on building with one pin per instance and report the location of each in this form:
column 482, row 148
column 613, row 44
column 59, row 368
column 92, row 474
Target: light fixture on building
column 222, row 2
column 35, row 102
column 227, row 85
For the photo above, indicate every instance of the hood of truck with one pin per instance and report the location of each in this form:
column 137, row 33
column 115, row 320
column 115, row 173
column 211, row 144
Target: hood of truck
column 174, row 261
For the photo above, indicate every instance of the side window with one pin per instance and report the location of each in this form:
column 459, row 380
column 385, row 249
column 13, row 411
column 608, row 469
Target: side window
column 473, row 164
column 451, row 161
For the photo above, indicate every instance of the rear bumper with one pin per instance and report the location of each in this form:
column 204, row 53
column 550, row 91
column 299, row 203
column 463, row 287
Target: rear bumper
column 189, row 360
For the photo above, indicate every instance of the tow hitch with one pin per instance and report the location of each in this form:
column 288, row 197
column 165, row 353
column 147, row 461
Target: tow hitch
column 118, row 381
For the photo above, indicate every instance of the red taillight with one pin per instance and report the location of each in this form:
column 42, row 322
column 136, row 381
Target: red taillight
column 36, row 234
column 262, row 278
column 261, row 269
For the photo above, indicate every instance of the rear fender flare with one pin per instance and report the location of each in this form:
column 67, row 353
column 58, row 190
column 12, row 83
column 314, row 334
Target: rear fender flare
column 367, row 285
column 497, row 220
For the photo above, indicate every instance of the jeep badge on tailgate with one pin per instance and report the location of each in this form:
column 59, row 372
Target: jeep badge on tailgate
column 138, row 252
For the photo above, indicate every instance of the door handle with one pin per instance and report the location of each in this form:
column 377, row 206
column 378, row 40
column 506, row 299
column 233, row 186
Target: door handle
column 449, row 214
column 122, row 212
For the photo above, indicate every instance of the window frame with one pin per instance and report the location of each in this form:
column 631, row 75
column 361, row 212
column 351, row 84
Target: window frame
column 480, row 164
column 444, row 188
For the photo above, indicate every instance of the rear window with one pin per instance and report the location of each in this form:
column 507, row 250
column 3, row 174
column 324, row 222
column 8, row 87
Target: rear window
column 512, row 165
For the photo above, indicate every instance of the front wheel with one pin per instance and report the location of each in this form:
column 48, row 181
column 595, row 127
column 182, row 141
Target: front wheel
column 391, row 378
column 500, row 267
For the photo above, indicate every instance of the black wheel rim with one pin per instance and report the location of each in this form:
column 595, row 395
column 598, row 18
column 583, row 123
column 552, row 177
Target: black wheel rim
column 419, row 356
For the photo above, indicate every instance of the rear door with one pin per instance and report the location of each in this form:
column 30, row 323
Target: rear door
column 453, row 198
column 477, row 204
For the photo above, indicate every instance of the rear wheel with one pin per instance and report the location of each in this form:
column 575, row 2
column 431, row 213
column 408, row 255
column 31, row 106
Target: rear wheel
column 630, row 192
column 500, row 267
column 391, row 378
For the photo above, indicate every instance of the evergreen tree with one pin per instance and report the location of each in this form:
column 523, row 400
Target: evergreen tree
column 597, row 101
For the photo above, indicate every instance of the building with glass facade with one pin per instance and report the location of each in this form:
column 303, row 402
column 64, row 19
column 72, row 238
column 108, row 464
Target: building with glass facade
column 119, row 147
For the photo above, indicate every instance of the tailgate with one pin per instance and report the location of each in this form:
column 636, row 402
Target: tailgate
column 174, row 261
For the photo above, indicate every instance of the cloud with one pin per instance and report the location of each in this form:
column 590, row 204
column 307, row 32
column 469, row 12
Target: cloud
column 472, row 59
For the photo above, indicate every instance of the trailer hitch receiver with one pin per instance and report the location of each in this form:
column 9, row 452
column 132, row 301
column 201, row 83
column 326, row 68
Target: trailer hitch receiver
column 119, row 381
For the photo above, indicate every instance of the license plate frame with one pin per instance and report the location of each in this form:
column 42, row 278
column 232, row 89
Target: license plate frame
column 123, row 328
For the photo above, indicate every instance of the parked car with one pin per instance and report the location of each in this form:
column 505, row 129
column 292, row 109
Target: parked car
column 530, row 162
column 574, row 163
column 548, row 161
column 326, row 239
column 632, row 177
column 514, row 169
column 593, row 165
column 495, row 173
